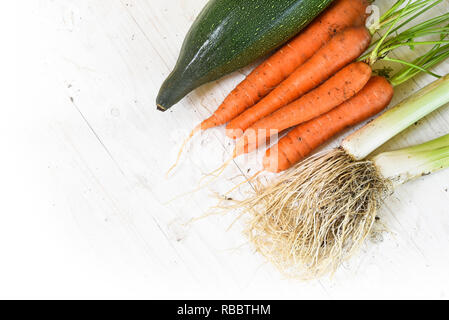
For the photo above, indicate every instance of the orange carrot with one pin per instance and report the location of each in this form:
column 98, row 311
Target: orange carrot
column 341, row 15
column 339, row 88
column 342, row 49
column 305, row 138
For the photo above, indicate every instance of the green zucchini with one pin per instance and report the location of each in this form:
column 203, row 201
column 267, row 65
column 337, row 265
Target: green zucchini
column 230, row 34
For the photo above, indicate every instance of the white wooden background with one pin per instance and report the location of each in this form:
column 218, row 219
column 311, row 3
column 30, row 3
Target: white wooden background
column 84, row 199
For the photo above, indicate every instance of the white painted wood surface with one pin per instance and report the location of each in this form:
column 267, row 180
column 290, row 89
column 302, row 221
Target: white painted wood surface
column 85, row 212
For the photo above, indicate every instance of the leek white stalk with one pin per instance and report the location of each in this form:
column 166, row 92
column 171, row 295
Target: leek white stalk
column 407, row 164
column 363, row 142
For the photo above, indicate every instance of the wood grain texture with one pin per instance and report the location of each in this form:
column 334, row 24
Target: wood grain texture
column 87, row 180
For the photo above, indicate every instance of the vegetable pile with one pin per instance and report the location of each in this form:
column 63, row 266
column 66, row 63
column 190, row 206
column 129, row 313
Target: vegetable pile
column 320, row 83
column 326, row 91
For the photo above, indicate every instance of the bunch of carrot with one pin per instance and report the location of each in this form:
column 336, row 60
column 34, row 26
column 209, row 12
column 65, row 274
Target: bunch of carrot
column 315, row 84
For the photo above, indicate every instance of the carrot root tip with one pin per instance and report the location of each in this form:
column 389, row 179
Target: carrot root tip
column 184, row 144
